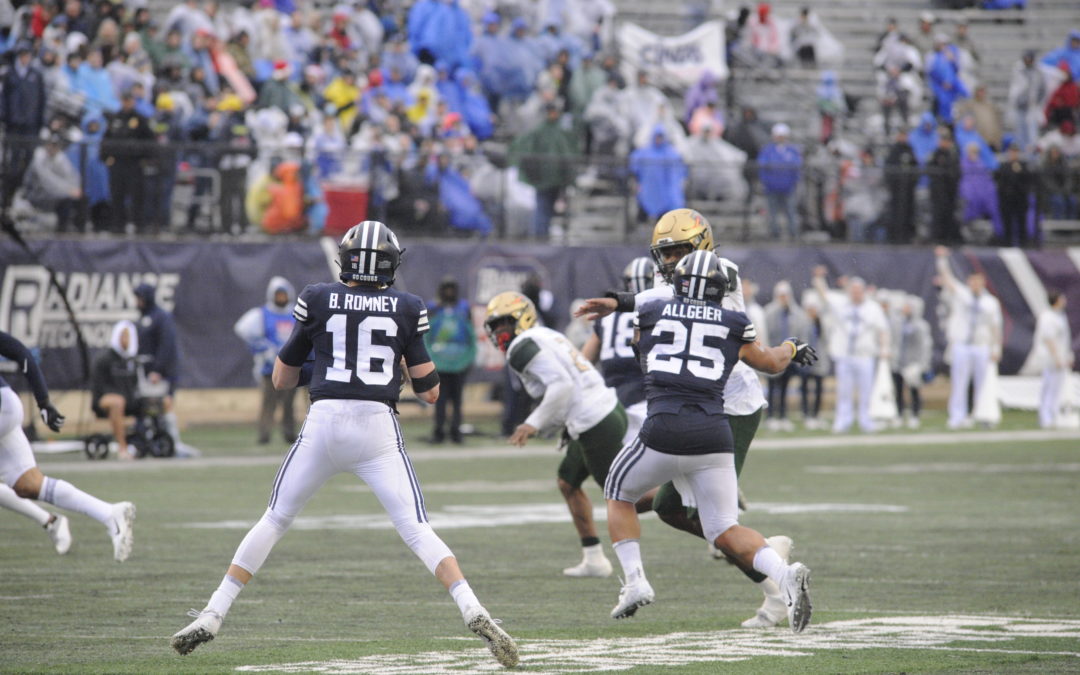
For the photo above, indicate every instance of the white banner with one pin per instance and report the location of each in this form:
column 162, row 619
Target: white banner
column 674, row 61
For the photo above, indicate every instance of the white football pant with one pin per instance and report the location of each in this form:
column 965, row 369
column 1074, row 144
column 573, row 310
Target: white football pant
column 968, row 364
column 854, row 378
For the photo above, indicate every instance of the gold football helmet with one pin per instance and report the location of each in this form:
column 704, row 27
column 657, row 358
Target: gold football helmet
column 684, row 230
column 509, row 314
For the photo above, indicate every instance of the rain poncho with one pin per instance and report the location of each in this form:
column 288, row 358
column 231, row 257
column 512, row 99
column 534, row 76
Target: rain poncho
column 966, row 134
column 979, row 192
column 716, row 168
column 95, row 175
column 944, row 77
column 660, row 172
column 544, row 156
column 701, row 93
column 463, row 208
column 442, row 28
column 1066, row 54
column 96, row 85
column 448, row 88
column 474, row 107
column 924, row 138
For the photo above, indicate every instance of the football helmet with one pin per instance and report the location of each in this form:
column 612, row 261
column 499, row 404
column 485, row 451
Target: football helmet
column 639, row 275
column 699, row 276
column 509, row 314
column 679, row 228
column 369, row 252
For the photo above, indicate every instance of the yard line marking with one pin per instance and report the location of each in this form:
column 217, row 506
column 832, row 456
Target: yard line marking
column 456, row 517
column 945, row 467
column 550, row 657
column 42, row 596
column 478, row 486
column 826, row 442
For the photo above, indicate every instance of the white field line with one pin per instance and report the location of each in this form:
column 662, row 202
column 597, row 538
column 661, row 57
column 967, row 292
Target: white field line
column 545, row 449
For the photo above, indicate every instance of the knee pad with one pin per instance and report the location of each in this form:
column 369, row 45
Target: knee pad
column 718, row 526
column 424, row 543
column 260, row 540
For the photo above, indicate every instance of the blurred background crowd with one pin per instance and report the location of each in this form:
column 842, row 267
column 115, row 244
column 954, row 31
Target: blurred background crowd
column 528, row 119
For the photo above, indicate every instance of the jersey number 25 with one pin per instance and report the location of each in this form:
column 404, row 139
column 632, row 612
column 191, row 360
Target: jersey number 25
column 688, row 348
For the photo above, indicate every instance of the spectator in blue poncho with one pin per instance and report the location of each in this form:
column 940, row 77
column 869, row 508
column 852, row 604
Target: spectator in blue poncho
column 944, row 76
column 396, row 89
column 553, row 40
column 516, row 71
column 779, row 167
column 474, row 107
column 93, row 81
column 440, row 30
column 924, row 138
column 463, row 209
column 967, row 135
column 1070, row 53
column 95, row 175
column 486, row 51
column 660, row 174
column 977, row 188
column 448, row 87
column 397, row 55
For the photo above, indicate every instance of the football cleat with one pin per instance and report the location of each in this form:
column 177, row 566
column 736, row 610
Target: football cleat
column 597, row 567
column 120, row 529
column 502, row 646
column 203, row 629
column 60, row 534
column 771, row 612
column 781, row 544
column 633, row 595
column 796, row 591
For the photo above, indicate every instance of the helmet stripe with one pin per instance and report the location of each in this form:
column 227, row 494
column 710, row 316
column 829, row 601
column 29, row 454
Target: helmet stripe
column 374, row 238
column 362, row 266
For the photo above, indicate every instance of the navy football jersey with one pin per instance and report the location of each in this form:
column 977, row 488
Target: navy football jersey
column 617, row 362
column 358, row 336
column 689, row 349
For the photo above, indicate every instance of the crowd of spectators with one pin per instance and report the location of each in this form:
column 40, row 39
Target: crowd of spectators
column 453, row 117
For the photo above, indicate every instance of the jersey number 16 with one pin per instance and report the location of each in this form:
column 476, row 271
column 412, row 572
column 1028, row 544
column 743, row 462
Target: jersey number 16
column 366, row 352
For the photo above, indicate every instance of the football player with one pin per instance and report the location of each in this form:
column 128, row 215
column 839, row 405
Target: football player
column 360, row 329
column 573, row 399
column 689, row 346
column 676, row 234
column 19, row 470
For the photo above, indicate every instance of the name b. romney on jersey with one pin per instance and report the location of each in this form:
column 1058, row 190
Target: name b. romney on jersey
column 363, row 303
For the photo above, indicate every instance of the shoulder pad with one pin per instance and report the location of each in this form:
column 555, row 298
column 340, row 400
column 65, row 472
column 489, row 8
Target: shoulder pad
column 522, row 353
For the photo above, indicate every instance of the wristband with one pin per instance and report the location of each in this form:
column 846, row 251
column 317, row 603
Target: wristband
column 624, row 300
column 426, row 383
column 794, row 350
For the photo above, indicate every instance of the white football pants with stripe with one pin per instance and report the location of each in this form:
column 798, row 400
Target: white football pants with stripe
column 343, row 436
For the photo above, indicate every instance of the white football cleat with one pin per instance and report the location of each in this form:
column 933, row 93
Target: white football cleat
column 796, row 592
column 60, row 534
column 633, row 595
column 203, row 629
column 120, row 529
column 502, row 646
column 771, row 612
column 597, row 567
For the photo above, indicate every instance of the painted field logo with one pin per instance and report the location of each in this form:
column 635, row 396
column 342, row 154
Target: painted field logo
column 986, row 634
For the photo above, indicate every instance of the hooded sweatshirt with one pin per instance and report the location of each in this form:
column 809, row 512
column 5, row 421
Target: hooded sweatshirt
column 266, row 328
column 114, row 372
column 157, row 335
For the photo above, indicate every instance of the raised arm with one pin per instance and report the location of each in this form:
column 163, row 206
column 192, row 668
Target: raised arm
column 948, row 279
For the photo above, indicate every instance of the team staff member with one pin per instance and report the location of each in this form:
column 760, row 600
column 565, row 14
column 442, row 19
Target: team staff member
column 159, row 343
column 361, row 329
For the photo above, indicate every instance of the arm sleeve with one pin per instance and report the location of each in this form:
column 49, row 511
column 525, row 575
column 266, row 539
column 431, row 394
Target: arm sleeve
column 12, row 349
column 558, row 392
column 416, row 352
column 296, row 349
column 624, row 300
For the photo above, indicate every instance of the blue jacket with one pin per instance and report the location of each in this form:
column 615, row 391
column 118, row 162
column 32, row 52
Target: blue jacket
column 464, row 209
column 779, row 167
column 441, row 28
column 1070, row 56
column 23, row 99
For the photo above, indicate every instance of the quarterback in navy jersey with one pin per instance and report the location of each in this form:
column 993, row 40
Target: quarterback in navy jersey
column 359, row 328
column 688, row 346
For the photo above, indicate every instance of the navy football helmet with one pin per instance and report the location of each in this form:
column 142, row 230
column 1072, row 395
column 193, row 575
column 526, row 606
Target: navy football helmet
column 369, row 253
column 639, row 275
column 699, row 276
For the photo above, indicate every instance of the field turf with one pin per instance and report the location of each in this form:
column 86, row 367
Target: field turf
column 939, row 554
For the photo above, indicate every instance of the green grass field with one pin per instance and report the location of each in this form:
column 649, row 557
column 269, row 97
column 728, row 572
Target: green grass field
column 946, row 554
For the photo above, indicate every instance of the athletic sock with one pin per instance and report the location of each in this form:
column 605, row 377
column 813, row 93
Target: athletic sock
column 67, row 496
column 25, row 507
column 594, row 552
column 223, row 597
column 629, row 552
column 771, row 589
column 463, row 595
column 768, row 562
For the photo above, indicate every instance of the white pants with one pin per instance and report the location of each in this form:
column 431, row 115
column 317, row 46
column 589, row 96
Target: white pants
column 16, row 456
column 854, row 378
column 635, row 417
column 1050, row 398
column 968, row 364
column 362, row 438
column 638, row 469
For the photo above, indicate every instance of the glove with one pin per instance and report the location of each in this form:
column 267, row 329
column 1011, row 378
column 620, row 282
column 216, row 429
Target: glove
column 804, row 354
column 51, row 416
